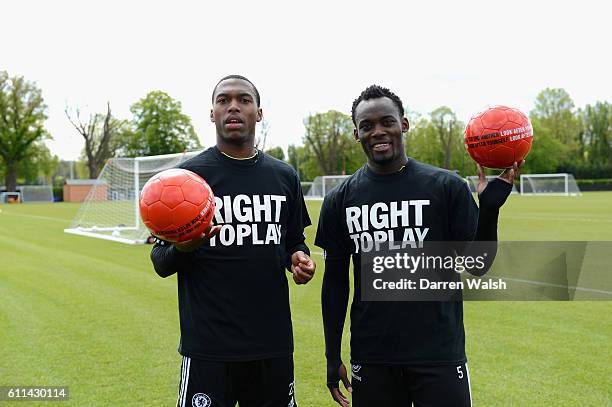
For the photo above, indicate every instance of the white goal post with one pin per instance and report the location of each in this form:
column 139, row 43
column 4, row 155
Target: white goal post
column 10, row 197
column 472, row 181
column 111, row 209
column 36, row 193
column 562, row 184
column 28, row 194
column 321, row 185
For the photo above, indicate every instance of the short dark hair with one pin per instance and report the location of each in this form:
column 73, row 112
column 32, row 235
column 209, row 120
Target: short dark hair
column 257, row 99
column 375, row 92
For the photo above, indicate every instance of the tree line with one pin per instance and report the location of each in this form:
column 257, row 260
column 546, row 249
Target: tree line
column 157, row 126
column 566, row 138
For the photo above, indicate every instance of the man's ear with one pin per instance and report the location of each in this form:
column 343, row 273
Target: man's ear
column 259, row 114
column 405, row 125
column 356, row 135
column 212, row 118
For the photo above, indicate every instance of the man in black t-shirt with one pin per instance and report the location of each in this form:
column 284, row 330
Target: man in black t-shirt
column 236, row 333
column 401, row 352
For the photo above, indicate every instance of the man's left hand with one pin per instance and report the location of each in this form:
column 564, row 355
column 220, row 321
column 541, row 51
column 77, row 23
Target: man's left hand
column 302, row 267
column 508, row 175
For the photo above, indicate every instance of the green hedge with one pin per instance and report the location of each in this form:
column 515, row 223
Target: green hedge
column 604, row 184
column 58, row 193
column 587, row 171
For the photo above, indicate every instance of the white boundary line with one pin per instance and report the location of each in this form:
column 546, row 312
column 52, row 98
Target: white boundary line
column 65, row 221
column 104, row 237
column 569, row 287
column 558, row 218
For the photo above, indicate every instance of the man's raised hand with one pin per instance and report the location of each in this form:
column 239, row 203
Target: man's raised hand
column 193, row 244
column 508, row 175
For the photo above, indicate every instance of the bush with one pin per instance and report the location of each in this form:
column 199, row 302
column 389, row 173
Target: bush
column 58, row 194
column 587, row 171
column 604, row 184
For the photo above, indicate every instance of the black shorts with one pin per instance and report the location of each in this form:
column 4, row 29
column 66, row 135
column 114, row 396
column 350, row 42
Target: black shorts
column 398, row 386
column 261, row 383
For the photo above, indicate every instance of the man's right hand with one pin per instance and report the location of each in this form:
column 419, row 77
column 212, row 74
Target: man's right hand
column 334, row 389
column 193, row 244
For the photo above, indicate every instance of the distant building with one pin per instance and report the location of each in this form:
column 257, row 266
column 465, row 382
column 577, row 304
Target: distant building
column 76, row 190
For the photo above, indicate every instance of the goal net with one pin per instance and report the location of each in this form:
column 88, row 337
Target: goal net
column 28, row 194
column 321, row 185
column 549, row 184
column 306, row 185
column 10, row 197
column 36, row 193
column 111, row 209
column 472, row 182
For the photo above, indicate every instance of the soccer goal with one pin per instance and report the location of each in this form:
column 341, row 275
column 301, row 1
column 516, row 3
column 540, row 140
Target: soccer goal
column 306, row 185
column 549, row 184
column 36, row 193
column 10, row 197
column 111, row 210
column 28, row 194
column 321, row 185
column 472, row 182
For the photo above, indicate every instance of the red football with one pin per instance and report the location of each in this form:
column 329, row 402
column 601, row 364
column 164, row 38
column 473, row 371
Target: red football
column 498, row 136
column 176, row 205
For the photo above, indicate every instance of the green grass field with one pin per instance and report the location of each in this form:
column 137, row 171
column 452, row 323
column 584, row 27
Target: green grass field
column 94, row 316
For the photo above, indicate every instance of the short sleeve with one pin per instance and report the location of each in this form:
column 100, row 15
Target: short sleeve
column 463, row 212
column 298, row 216
column 331, row 236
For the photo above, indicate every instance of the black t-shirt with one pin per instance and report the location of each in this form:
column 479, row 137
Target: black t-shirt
column 233, row 294
column 436, row 206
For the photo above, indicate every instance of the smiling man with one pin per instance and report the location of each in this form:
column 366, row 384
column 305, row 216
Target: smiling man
column 401, row 352
column 236, row 333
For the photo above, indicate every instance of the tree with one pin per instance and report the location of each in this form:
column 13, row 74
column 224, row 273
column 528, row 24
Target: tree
column 354, row 157
column 99, row 133
column 596, row 133
column 276, row 152
column 547, row 152
column 22, row 116
column 422, row 142
column 328, row 138
column 39, row 167
column 159, row 127
column 554, row 110
column 447, row 129
column 304, row 163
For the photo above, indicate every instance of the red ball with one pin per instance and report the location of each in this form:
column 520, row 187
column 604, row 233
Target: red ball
column 498, row 136
column 176, row 205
